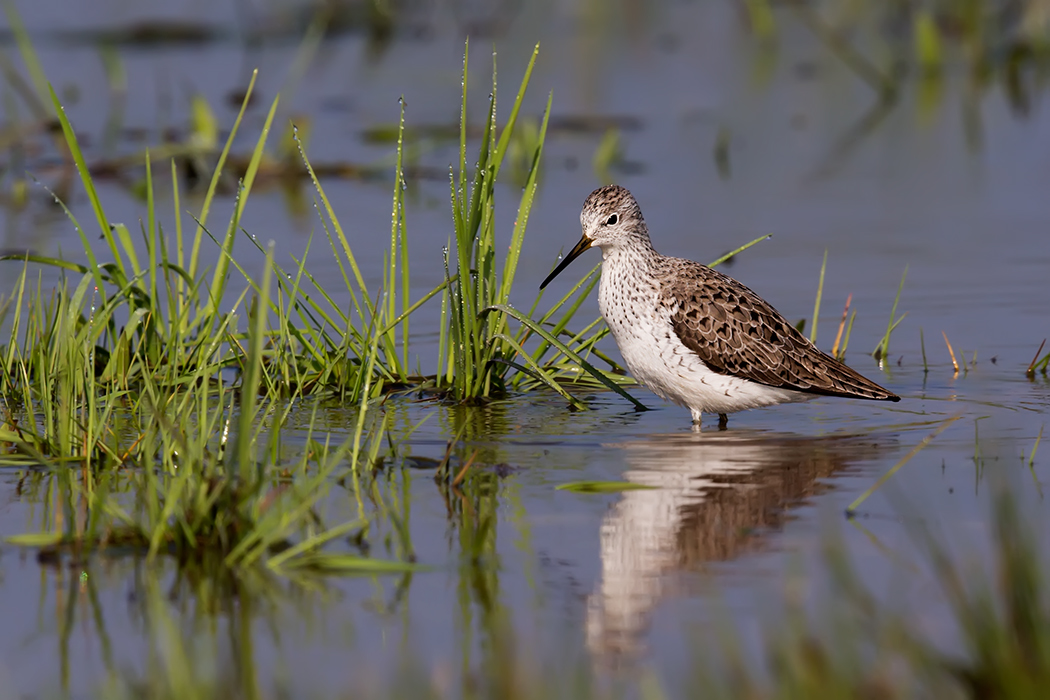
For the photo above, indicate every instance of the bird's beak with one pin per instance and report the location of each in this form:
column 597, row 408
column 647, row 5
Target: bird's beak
column 583, row 245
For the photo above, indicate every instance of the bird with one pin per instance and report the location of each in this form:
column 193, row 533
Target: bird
column 693, row 335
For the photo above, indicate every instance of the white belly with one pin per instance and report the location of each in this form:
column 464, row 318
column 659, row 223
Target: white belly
column 658, row 359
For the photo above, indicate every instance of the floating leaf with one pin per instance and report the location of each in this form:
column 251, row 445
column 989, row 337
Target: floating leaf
column 35, row 539
column 602, row 486
column 349, row 564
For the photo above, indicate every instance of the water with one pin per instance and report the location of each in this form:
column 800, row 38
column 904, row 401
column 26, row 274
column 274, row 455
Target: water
column 623, row 580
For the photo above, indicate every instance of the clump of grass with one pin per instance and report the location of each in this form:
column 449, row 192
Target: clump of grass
column 476, row 347
column 198, row 491
column 117, row 325
column 165, row 309
column 121, row 371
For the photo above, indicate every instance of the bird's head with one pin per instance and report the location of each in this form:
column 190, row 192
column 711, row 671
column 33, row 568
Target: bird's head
column 610, row 218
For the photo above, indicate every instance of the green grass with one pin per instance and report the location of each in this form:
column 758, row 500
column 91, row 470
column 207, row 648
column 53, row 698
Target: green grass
column 122, row 372
column 476, row 347
column 1039, row 364
column 881, row 351
column 193, row 462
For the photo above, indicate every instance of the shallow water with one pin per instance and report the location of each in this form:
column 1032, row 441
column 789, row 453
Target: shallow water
column 617, row 580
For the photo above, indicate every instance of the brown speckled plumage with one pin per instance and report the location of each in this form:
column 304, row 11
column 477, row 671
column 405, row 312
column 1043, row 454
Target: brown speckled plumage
column 694, row 335
column 736, row 332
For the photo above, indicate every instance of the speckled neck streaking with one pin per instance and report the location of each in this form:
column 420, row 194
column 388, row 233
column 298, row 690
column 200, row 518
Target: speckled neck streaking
column 693, row 335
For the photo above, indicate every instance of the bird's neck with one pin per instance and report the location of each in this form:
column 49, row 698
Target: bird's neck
column 637, row 253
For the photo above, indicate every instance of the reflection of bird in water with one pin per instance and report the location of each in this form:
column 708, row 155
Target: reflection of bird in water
column 717, row 495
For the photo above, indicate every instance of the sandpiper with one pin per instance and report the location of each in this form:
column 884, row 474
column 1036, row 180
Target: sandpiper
column 693, row 335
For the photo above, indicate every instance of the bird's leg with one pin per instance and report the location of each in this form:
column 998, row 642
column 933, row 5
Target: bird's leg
column 696, row 417
column 723, row 421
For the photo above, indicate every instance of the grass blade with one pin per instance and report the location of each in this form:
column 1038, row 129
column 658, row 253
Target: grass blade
column 587, row 367
column 851, row 509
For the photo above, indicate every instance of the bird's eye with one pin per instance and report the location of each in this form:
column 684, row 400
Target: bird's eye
column 611, row 221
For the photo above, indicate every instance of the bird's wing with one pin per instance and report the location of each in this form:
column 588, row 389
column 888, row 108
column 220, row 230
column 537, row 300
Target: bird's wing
column 735, row 332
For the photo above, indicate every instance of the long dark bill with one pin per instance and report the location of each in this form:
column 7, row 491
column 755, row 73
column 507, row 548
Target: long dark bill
column 583, row 245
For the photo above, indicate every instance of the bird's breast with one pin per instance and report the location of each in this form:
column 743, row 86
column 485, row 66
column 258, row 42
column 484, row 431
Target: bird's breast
column 631, row 307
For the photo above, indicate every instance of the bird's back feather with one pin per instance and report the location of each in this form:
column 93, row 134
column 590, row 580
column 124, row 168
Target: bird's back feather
column 735, row 332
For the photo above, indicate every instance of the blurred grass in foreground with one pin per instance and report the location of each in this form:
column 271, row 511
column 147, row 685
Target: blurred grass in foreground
column 852, row 646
